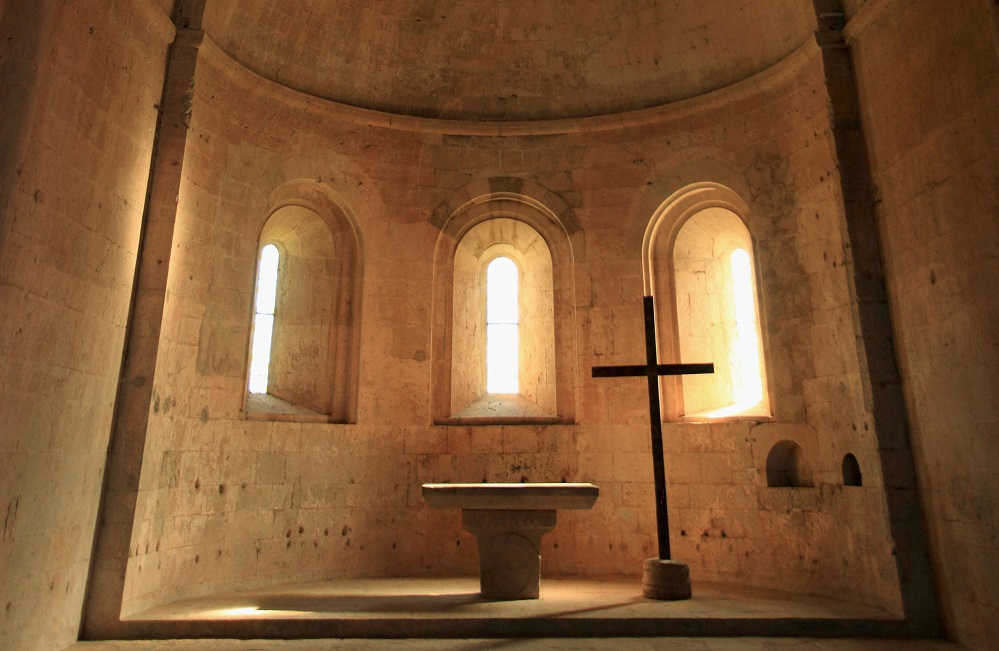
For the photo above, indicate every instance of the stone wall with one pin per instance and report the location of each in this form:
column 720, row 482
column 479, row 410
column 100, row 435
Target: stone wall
column 81, row 83
column 931, row 125
column 228, row 503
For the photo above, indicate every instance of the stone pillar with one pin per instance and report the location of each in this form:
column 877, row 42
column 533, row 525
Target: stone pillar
column 882, row 384
column 509, row 550
column 106, row 584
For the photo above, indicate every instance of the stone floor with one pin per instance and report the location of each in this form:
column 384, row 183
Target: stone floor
column 449, row 615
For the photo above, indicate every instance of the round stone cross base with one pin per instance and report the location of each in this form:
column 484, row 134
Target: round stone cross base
column 665, row 580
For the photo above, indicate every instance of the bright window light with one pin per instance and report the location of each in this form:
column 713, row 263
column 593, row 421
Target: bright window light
column 502, row 327
column 241, row 612
column 263, row 319
column 747, row 386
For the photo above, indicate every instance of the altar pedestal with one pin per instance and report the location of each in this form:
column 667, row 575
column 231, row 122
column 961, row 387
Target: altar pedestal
column 508, row 521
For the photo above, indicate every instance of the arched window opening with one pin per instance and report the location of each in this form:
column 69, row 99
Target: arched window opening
column 717, row 317
column 502, row 327
column 265, row 303
column 302, row 359
column 534, row 228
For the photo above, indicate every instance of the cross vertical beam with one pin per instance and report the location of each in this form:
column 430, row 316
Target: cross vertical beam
column 656, row 425
column 652, row 370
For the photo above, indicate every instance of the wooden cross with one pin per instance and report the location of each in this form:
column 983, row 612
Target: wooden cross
column 652, row 370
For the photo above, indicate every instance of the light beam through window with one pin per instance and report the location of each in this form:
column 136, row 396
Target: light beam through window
column 747, row 386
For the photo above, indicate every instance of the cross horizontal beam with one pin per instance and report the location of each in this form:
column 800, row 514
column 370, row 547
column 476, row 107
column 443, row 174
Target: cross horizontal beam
column 640, row 370
column 651, row 370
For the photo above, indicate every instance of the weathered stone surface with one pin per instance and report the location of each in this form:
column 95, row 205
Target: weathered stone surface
column 934, row 164
column 208, row 499
column 510, row 496
column 509, row 543
column 666, row 580
column 508, row 521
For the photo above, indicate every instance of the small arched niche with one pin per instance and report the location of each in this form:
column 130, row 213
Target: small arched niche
column 312, row 351
column 851, row 471
column 786, row 466
column 700, row 268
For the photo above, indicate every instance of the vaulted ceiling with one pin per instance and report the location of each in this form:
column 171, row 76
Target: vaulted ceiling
column 507, row 59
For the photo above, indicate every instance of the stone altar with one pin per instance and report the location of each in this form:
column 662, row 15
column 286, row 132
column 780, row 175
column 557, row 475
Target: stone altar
column 508, row 521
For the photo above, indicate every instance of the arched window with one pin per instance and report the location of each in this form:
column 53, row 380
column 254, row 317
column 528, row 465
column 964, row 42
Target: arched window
column 716, row 313
column 502, row 327
column 503, row 344
column 265, row 303
column 303, row 346
column 700, row 269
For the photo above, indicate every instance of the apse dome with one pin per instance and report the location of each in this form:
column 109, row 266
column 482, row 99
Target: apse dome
column 507, row 59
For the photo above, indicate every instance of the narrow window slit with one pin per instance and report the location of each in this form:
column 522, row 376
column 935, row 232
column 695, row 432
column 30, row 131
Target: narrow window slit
column 502, row 327
column 265, row 303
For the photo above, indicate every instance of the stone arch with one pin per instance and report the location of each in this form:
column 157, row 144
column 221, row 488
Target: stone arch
column 534, row 227
column 684, row 264
column 315, row 365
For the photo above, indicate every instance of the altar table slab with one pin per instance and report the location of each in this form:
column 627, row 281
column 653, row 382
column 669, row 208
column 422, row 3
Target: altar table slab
column 508, row 521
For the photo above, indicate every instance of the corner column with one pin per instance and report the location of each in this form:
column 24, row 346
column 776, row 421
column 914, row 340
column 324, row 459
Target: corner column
column 883, row 387
column 106, row 584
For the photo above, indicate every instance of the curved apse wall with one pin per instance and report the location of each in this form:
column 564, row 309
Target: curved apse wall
column 230, row 503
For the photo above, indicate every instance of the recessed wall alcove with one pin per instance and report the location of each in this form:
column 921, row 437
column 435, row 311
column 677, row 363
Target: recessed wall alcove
column 851, row 471
column 787, row 466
